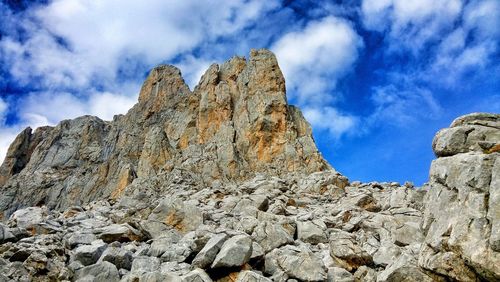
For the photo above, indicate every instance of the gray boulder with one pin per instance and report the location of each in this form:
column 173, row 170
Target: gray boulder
column 344, row 247
column 236, row 251
column 182, row 216
column 296, row 262
column 102, row 271
column 250, row 276
column 89, row 254
column 120, row 257
column 207, row 255
column 312, row 231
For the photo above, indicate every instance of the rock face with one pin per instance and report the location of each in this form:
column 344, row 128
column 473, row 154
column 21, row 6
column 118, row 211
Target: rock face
column 235, row 124
column 462, row 213
column 224, row 183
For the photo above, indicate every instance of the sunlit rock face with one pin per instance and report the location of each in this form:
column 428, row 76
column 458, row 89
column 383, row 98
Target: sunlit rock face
column 462, row 207
column 234, row 125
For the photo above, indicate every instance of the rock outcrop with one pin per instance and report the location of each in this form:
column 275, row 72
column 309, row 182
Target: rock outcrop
column 234, row 125
column 225, row 183
column 462, row 207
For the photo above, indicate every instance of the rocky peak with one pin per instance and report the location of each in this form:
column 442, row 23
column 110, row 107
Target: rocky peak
column 235, row 124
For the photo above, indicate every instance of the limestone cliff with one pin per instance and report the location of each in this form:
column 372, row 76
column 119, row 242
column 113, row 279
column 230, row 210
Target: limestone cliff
column 234, row 125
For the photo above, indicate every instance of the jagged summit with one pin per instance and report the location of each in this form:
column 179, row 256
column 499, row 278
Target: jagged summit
column 235, row 124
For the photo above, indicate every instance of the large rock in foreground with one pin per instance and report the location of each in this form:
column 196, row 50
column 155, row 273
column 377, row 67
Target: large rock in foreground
column 462, row 206
column 234, row 125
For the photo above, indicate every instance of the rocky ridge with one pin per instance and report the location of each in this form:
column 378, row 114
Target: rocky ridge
column 234, row 125
column 225, row 183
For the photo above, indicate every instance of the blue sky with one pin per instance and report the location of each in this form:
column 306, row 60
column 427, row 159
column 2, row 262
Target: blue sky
column 376, row 78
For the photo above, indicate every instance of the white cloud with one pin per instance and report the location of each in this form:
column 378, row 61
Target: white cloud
column 48, row 108
column 100, row 35
column 313, row 60
column 402, row 107
column 330, row 120
column 3, row 110
column 410, row 24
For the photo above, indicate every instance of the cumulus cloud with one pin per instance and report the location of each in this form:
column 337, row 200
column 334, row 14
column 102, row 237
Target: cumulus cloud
column 330, row 120
column 410, row 24
column 313, row 59
column 72, row 43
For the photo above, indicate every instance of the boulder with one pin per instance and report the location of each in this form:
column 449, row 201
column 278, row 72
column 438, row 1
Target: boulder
column 272, row 235
column 207, row 255
column 120, row 233
column 102, row 271
column 121, row 258
column 236, row 251
column 344, row 248
column 312, row 231
column 461, row 215
column 89, row 254
column 250, row 276
column 197, row 275
column 182, row 216
column 296, row 262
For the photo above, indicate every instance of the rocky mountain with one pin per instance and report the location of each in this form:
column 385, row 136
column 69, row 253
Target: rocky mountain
column 225, row 183
column 234, row 125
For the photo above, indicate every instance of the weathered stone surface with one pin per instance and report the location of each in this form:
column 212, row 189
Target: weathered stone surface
column 89, row 254
column 272, row 235
column 75, row 239
column 5, row 234
column 235, row 124
column 120, row 233
column 297, row 262
column 19, row 152
column 343, row 246
column 119, row 257
column 474, row 132
column 103, row 271
column 312, row 231
column 144, row 264
column 197, row 275
column 461, row 215
column 337, row 274
column 207, row 255
column 250, row 276
column 178, row 214
column 236, row 251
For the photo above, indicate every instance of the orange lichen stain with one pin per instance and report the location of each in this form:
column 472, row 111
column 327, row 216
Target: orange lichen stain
column 232, row 277
column 210, row 122
column 31, row 230
column 175, row 221
column 70, row 213
column 124, row 180
column 494, row 149
column 269, row 138
column 183, row 142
